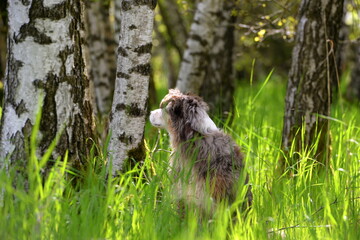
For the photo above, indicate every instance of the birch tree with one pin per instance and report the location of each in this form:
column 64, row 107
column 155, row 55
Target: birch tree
column 218, row 85
column 102, row 54
column 129, row 107
column 45, row 60
column 200, row 41
column 308, row 96
column 3, row 35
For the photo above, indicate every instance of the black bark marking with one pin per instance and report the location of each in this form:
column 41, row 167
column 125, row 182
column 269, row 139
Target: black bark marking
column 129, row 86
column 37, row 10
column 132, row 110
column 122, row 52
column 28, row 30
column 144, row 49
column 12, row 79
column 122, row 75
column 200, row 54
column 120, row 107
column 138, row 153
column 48, row 122
column 127, row 4
column 111, row 116
column 198, row 38
column 132, row 27
column 21, row 108
column 63, row 55
column 18, row 156
column 25, row 2
column 150, row 3
column 125, row 139
column 143, row 69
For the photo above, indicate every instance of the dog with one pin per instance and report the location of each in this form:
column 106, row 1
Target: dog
column 206, row 163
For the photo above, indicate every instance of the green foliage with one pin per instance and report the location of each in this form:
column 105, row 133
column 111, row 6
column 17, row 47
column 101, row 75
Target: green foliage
column 313, row 204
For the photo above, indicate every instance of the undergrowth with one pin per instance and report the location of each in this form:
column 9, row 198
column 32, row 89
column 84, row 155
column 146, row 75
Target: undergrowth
column 315, row 203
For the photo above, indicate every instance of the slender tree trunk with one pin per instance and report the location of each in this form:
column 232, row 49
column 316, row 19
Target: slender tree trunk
column 102, row 54
column 45, row 60
column 129, row 107
column 3, row 47
column 218, row 87
column 174, row 23
column 313, row 69
column 170, row 66
column 353, row 90
column 3, row 35
column 201, row 37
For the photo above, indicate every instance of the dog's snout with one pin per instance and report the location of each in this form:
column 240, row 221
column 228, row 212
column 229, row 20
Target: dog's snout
column 156, row 118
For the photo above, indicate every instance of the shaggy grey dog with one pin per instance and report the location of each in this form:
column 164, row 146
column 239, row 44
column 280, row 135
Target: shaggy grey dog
column 205, row 161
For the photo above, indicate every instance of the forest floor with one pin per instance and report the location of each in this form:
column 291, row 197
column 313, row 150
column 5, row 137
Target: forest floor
column 314, row 203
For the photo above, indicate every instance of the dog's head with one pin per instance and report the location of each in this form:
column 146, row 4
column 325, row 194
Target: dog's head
column 182, row 115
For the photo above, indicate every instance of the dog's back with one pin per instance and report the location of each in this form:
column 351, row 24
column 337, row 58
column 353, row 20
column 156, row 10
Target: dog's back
column 213, row 160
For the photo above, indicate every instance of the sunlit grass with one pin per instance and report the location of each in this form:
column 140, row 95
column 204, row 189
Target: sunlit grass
column 313, row 204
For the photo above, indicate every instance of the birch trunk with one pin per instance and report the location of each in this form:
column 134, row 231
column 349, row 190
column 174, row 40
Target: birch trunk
column 45, row 60
column 219, row 84
column 200, row 41
column 3, row 35
column 129, row 107
column 102, row 54
column 312, row 72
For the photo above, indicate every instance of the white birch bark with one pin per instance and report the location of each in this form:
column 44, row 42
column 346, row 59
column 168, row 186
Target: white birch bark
column 129, row 107
column 196, row 56
column 102, row 54
column 45, row 60
column 218, row 86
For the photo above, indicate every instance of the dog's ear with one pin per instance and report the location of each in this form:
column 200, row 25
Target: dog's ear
column 196, row 111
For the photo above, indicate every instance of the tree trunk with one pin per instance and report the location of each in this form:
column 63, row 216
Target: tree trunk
column 174, row 24
column 129, row 107
column 3, row 35
column 218, row 87
column 312, row 71
column 3, row 47
column 45, row 60
column 200, row 41
column 353, row 90
column 170, row 61
column 102, row 54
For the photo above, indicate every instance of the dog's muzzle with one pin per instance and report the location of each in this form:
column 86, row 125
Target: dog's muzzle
column 157, row 119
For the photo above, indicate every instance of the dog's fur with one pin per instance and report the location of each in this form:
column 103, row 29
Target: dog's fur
column 206, row 162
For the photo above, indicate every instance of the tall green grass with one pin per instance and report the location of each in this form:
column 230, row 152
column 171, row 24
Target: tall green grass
column 138, row 204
